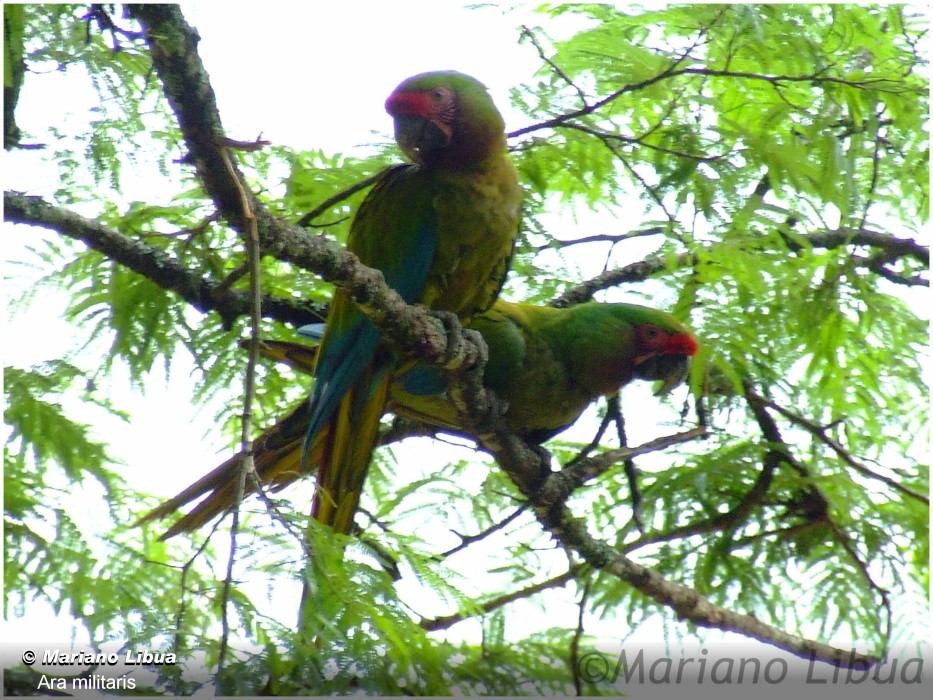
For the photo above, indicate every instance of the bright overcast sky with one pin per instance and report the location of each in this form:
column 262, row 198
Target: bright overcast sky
column 317, row 75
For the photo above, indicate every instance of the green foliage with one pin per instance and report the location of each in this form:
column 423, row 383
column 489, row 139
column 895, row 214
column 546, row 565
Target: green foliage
column 48, row 459
column 40, row 428
column 778, row 156
column 13, row 25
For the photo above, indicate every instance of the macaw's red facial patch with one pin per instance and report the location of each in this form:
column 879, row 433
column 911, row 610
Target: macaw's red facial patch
column 654, row 340
column 438, row 103
column 424, row 120
column 681, row 344
column 408, row 103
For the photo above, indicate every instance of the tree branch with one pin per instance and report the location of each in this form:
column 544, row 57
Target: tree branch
column 533, row 478
column 446, row 621
column 203, row 294
column 562, row 484
column 721, row 521
column 467, row 540
column 893, row 247
column 591, row 107
column 820, row 433
column 672, row 71
column 308, row 219
column 578, row 679
column 814, row 503
column 246, row 467
column 603, row 238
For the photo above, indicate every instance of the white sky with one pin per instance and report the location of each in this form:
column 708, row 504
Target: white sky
column 303, row 76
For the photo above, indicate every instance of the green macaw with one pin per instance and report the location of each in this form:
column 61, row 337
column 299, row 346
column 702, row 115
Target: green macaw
column 441, row 230
column 548, row 364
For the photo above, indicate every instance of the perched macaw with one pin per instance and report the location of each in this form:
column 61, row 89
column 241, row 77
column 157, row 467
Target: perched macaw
column 442, row 230
column 548, row 364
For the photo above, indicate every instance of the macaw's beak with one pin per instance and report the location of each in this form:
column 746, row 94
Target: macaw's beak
column 418, row 135
column 669, row 369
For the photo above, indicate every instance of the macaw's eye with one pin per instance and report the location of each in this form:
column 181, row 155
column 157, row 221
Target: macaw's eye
column 441, row 95
column 650, row 335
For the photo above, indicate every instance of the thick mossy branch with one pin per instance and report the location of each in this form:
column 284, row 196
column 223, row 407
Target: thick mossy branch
column 160, row 267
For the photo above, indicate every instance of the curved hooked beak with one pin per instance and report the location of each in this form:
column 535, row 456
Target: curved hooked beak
column 669, row 369
column 417, row 135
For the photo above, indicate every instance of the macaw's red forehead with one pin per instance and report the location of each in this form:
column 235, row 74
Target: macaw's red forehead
column 412, row 96
column 439, row 78
column 408, row 103
column 681, row 344
column 677, row 341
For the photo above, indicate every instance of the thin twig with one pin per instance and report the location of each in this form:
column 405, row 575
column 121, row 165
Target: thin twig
column 631, row 472
column 594, row 443
column 816, row 78
column 562, row 484
column 577, row 636
column 604, row 238
column 719, row 522
column 846, row 542
column 182, row 602
column 818, row 432
column 875, row 170
column 467, row 540
column 526, row 32
column 815, row 503
column 445, row 621
column 592, row 107
column 249, row 146
column 306, row 220
column 249, row 391
column 609, row 136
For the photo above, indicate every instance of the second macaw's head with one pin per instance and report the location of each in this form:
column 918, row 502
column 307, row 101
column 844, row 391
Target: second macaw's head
column 446, row 119
column 640, row 343
column 671, row 366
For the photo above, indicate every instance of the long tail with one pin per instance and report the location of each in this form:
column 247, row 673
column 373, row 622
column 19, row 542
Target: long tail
column 340, row 453
column 277, row 458
column 351, row 437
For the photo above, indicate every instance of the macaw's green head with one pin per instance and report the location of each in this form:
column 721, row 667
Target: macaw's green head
column 446, row 119
column 663, row 345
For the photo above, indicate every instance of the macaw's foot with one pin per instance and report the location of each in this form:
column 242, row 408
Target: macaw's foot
column 488, row 419
column 464, row 361
column 544, row 457
column 453, row 329
column 482, row 350
column 458, row 352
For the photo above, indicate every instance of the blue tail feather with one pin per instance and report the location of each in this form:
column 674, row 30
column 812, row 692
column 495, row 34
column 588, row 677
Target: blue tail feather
column 338, row 369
